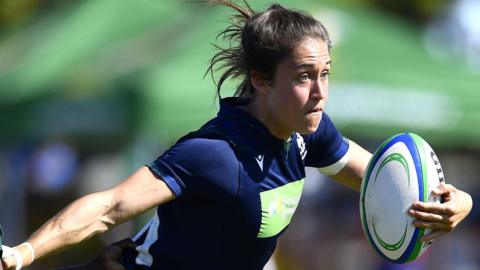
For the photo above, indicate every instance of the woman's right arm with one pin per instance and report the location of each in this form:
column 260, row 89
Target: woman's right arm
column 95, row 213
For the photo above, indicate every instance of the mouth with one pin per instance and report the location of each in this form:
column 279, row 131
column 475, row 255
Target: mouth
column 315, row 111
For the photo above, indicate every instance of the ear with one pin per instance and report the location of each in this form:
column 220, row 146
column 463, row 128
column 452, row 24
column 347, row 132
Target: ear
column 259, row 82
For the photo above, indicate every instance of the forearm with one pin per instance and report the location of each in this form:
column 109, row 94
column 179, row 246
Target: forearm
column 80, row 220
column 352, row 174
column 349, row 179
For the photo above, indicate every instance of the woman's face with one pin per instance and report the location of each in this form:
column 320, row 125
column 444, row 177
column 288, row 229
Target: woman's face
column 299, row 90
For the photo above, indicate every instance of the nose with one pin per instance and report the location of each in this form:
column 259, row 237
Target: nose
column 319, row 90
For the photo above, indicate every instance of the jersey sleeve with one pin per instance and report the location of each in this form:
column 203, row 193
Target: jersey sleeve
column 199, row 166
column 326, row 148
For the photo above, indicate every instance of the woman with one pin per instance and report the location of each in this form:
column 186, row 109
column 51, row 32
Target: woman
column 226, row 192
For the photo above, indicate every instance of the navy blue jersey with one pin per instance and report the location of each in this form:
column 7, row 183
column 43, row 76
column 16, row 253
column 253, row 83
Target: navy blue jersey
column 236, row 186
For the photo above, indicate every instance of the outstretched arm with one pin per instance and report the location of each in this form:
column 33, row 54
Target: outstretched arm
column 95, row 213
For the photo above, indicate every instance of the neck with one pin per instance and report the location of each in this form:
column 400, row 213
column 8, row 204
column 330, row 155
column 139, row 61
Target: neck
column 261, row 112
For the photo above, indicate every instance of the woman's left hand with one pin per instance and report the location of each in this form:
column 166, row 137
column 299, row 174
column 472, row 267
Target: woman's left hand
column 441, row 218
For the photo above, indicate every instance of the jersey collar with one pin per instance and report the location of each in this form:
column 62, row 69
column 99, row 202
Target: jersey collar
column 233, row 107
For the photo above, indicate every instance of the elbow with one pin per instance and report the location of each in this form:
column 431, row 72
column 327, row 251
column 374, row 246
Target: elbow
column 106, row 223
column 111, row 216
column 74, row 233
column 93, row 216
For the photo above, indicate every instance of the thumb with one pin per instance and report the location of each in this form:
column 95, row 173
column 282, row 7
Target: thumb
column 443, row 189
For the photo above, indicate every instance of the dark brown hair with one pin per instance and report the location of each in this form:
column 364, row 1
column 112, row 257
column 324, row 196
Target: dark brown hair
column 260, row 41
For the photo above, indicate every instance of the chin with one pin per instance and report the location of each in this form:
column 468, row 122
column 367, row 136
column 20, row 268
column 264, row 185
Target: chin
column 309, row 125
column 309, row 129
column 312, row 123
column 312, row 127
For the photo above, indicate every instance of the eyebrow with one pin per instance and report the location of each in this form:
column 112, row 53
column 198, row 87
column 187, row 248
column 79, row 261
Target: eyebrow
column 311, row 65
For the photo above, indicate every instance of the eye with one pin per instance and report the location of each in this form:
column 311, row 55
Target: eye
column 304, row 77
column 325, row 74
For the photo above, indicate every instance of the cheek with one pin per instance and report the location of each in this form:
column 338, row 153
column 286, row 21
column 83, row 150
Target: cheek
column 285, row 96
column 300, row 95
column 288, row 98
column 294, row 100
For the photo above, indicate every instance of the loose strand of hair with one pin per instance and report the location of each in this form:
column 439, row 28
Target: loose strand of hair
column 231, row 72
column 247, row 12
column 224, row 58
column 229, row 59
column 213, row 62
column 232, row 33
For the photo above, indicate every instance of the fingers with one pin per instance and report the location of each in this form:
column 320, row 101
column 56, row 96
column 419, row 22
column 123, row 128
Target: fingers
column 441, row 218
column 436, row 208
column 435, row 219
column 432, row 217
column 432, row 225
column 437, row 229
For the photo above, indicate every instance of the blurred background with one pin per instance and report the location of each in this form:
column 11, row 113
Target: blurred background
column 90, row 90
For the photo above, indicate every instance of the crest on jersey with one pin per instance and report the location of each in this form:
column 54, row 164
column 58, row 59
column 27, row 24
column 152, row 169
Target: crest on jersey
column 259, row 160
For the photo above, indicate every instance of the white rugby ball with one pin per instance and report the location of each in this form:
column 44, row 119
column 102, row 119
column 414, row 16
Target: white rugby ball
column 402, row 170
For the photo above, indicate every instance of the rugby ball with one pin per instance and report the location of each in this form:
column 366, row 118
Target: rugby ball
column 402, row 170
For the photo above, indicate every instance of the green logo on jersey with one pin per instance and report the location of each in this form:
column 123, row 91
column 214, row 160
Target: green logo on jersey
column 278, row 206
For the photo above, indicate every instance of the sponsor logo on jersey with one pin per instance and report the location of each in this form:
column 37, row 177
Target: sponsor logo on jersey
column 278, row 207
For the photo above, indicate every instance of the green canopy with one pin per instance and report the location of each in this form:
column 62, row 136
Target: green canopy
column 386, row 82
column 383, row 80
